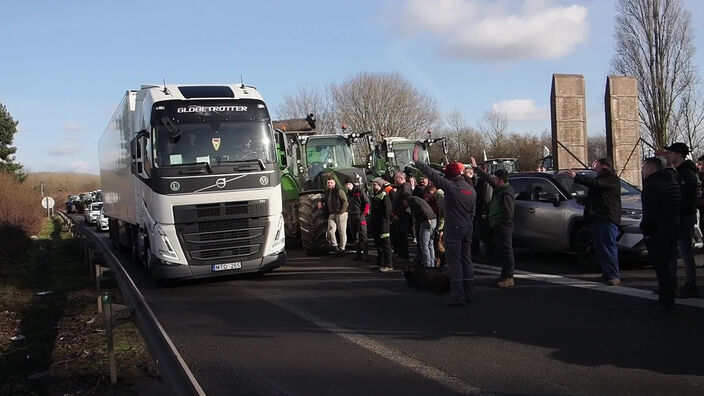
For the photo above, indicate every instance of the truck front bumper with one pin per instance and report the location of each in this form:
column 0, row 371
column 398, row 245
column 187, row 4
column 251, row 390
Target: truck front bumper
column 178, row 271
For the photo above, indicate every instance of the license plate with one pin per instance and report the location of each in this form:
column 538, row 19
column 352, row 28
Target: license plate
column 226, row 266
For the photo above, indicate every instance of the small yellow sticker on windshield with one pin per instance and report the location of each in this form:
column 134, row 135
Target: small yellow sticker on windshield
column 216, row 144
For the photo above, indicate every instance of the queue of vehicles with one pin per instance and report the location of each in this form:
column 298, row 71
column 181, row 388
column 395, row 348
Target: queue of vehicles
column 197, row 181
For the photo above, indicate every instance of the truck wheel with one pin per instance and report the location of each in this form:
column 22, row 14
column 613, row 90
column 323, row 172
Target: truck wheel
column 292, row 225
column 583, row 247
column 313, row 224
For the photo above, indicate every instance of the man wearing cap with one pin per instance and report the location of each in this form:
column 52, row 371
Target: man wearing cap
column 689, row 190
column 603, row 211
column 500, row 217
column 379, row 224
column 460, row 199
column 401, row 221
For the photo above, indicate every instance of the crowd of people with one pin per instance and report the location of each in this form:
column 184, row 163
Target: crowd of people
column 465, row 211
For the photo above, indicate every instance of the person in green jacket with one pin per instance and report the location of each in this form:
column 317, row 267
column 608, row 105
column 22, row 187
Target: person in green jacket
column 500, row 218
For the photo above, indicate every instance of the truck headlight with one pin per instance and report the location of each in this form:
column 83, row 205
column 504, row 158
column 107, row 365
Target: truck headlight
column 170, row 252
column 280, row 237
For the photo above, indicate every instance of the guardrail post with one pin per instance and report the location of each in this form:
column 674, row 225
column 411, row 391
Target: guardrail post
column 107, row 308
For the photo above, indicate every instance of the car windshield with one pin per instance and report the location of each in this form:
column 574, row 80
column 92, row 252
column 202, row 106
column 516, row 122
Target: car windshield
column 577, row 190
column 403, row 152
column 96, row 207
column 214, row 143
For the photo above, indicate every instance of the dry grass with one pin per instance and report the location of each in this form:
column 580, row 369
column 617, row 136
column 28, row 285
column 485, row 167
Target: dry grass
column 60, row 185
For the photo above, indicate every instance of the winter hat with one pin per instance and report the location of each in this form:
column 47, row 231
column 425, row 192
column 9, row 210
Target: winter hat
column 453, row 169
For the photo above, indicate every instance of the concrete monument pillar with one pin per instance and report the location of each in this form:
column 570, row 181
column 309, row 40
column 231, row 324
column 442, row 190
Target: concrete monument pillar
column 622, row 134
column 568, row 112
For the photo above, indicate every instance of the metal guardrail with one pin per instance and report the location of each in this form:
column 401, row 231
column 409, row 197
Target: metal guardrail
column 170, row 365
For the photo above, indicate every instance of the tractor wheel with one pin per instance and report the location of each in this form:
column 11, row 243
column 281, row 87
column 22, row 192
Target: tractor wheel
column 313, row 224
column 292, row 224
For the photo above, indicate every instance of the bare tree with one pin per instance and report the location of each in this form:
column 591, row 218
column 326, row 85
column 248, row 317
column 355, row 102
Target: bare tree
column 308, row 100
column 463, row 140
column 690, row 121
column 596, row 147
column 384, row 102
column 494, row 126
column 654, row 44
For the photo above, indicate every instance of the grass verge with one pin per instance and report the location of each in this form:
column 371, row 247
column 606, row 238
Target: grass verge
column 48, row 304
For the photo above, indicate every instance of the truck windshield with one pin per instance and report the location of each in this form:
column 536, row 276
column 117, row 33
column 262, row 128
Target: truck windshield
column 403, row 152
column 214, row 143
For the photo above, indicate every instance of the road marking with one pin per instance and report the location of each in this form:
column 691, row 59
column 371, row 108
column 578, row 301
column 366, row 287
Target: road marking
column 366, row 342
column 585, row 284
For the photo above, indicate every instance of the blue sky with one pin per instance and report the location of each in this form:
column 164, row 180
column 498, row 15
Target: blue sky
column 65, row 65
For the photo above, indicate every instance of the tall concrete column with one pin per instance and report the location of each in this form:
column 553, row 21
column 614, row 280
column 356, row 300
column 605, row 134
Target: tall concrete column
column 622, row 134
column 569, row 120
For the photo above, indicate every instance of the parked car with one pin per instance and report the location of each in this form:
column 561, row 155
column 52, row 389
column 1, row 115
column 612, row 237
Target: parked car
column 101, row 222
column 549, row 213
column 92, row 212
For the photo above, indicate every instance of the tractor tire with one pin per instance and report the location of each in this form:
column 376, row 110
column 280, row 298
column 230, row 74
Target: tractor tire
column 292, row 225
column 313, row 225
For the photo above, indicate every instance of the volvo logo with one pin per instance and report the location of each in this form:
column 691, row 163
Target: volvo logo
column 221, row 182
column 263, row 180
column 175, row 186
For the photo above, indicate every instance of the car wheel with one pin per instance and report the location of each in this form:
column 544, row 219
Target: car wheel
column 583, row 247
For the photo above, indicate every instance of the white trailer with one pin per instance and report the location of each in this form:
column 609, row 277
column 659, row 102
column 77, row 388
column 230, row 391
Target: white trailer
column 190, row 180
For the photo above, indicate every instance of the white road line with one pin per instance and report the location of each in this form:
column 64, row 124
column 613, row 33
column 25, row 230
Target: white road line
column 366, row 342
column 585, row 284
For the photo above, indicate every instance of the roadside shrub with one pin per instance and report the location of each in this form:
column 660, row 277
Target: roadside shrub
column 20, row 215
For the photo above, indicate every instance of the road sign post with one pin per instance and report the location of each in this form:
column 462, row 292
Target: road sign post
column 48, row 204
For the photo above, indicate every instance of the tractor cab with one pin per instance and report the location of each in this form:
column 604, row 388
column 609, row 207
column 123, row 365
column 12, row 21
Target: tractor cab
column 509, row 164
column 395, row 154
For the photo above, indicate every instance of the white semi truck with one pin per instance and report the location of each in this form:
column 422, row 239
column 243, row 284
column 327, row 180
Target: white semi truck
column 190, row 181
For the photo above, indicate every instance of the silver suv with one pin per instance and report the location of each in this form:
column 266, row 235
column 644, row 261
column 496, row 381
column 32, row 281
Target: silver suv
column 549, row 215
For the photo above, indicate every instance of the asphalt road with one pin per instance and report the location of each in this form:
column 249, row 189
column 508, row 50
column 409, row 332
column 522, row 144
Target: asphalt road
column 324, row 325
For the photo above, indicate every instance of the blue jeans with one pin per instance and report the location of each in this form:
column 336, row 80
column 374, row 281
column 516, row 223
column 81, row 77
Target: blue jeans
column 605, row 234
column 425, row 243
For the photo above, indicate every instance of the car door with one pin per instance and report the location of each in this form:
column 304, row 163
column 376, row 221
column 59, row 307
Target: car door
column 521, row 189
column 544, row 216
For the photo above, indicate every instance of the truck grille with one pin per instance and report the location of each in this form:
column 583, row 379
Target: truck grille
column 222, row 232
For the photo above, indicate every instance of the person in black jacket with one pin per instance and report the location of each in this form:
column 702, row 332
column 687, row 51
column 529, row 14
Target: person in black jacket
column 603, row 211
column 661, row 225
column 335, row 201
column 379, row 224
column 426, row 221
column 460, row 199
column 357, row 209
column 401, row 221
column 689, row 191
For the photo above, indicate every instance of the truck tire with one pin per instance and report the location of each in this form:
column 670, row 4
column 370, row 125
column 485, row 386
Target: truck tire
column 292, row 225
column 313, row 224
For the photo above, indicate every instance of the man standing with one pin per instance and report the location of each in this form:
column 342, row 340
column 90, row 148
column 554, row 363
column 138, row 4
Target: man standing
column 401, row 216
column 459, row 213
column 689, row 189
column 603, row 211
column 500, row 217
column 357, row 218
column 379, row 219
column 335, row 200
column 425, row 220
column 661, row 225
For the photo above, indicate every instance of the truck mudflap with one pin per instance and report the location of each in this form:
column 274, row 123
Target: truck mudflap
column 269, row 262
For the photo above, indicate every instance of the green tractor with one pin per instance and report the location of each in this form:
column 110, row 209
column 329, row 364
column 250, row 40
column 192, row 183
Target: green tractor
column 306, row 159
column 395, row 154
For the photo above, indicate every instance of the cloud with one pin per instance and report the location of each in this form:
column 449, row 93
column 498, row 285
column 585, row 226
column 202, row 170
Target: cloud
column 521, row 110
column 504, row 30
column 72, row 127
column 61, row 151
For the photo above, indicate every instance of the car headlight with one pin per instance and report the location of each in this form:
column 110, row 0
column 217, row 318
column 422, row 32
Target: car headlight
column 636, row 214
